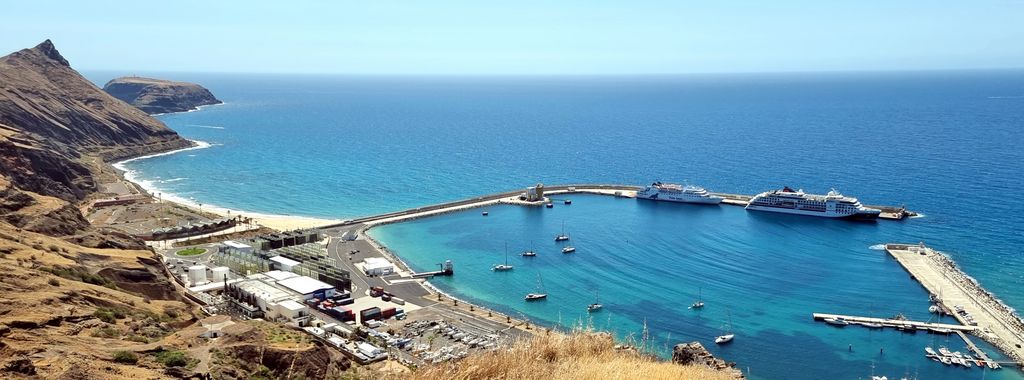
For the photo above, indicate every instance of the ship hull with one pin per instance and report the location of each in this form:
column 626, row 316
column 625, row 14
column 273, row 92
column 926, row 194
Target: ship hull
column 780, row 210
column 669, row 198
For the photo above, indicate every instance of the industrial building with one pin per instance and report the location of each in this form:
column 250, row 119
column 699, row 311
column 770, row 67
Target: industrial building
column 283, row 263
column 277, row 294
column 378, row 266
column 238, row 247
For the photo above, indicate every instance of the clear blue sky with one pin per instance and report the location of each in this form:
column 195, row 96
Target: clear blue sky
column 522, row 36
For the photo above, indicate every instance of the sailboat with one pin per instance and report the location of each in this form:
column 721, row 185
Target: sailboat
column 727, row 337
column 540, row 291
column 699, row 303
column 505, row 266
column 529, row 252
column 597, row 302
column 562, row 236
column 568, row 249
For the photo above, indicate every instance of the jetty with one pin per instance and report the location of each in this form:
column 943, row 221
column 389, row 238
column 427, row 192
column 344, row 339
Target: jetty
column 896, row 323
column 513, row 197
column 972, row 305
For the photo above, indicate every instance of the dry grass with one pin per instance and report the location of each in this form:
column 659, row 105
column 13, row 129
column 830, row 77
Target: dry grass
column 580, row 355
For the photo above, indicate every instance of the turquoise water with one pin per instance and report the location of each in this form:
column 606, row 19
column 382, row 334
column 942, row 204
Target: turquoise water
column 947, row 144
column 648, row 260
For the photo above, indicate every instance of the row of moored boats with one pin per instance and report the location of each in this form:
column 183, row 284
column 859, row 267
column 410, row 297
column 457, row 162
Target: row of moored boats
column 947, row 357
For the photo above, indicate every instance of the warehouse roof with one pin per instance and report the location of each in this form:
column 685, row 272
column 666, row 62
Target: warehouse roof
column 304, row 285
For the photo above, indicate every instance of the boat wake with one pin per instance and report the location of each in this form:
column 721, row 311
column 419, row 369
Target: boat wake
column 204, row 126
column 877, row 247
column 918, row 216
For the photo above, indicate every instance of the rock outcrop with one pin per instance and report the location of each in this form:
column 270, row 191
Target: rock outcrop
column 694, row 353
column 156, row 96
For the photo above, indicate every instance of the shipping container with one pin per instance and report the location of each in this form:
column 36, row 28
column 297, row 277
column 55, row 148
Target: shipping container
column 387, row 313
column 346, row 301
column 398, row 301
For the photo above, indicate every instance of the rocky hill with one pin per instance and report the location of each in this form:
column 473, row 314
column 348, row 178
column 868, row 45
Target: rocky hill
column 72, row 292
column 155, row 96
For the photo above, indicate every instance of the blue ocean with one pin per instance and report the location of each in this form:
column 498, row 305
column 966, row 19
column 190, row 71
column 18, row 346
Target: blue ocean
column 945, row 144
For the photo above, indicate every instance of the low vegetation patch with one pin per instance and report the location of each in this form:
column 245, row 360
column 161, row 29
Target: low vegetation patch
column 126, row 357
column 173, row 358
column 81, row 274
column 191, row 251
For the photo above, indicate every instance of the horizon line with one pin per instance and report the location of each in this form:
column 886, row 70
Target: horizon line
column 553, row 74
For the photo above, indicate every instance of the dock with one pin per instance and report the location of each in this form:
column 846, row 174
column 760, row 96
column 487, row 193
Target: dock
column 952, row 289
column 896, row 323
column 977, row 351
column 512, row 197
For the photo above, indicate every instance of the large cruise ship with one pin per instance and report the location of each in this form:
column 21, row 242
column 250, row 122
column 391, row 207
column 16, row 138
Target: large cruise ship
column 675, row 193
column 831, row 205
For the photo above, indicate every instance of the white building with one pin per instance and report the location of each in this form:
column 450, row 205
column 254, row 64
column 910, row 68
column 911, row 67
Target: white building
column 197, row 274
column 378, row 266
column 308, row 287
column 284, row 263
column 220, row 274
column 291, row 310
column 238, row 247
column 369, row 350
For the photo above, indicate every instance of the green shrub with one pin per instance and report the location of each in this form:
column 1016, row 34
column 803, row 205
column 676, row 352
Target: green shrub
column 53, row 282
column 106, row 332
column 126, row 357
column 172, row 358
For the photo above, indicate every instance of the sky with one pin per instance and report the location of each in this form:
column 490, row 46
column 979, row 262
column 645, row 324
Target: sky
column 522, row 37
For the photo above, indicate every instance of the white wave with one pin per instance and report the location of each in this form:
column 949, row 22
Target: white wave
column 173, row 180
column 1007, row 97
column 877, row 247
column 150, row 186
column 919, row 215
column 199, row 108
column 204, row 126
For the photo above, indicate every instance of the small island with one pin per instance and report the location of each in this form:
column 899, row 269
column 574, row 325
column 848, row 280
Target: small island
column 157, row 96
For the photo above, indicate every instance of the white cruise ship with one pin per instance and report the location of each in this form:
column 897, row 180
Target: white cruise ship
column 831, row 205
column 676, row 193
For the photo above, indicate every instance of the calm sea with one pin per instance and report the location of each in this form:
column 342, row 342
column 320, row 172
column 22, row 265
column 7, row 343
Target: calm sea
column 947, row 144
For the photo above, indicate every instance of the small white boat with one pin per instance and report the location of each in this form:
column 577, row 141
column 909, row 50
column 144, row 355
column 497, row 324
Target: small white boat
column 936, row 330
column 934, row 309
column 597, row 303
column 699, row 303
column 540, row 294
column 930, row 351
column 727, row 335
column 529, row 253
column 872, row 325
column 562, row 236
column 837, row 321
column 505, row 266
column 945, row 351
column 569, row 249
column 945, row 360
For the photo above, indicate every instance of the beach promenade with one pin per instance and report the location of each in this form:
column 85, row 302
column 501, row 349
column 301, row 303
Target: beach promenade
column 963, row 297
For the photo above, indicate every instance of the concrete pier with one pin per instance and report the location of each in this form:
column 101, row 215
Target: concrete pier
column 971, row 304
column 894, row 323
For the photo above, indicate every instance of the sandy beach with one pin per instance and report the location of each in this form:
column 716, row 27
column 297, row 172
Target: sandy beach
column 277, row 222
